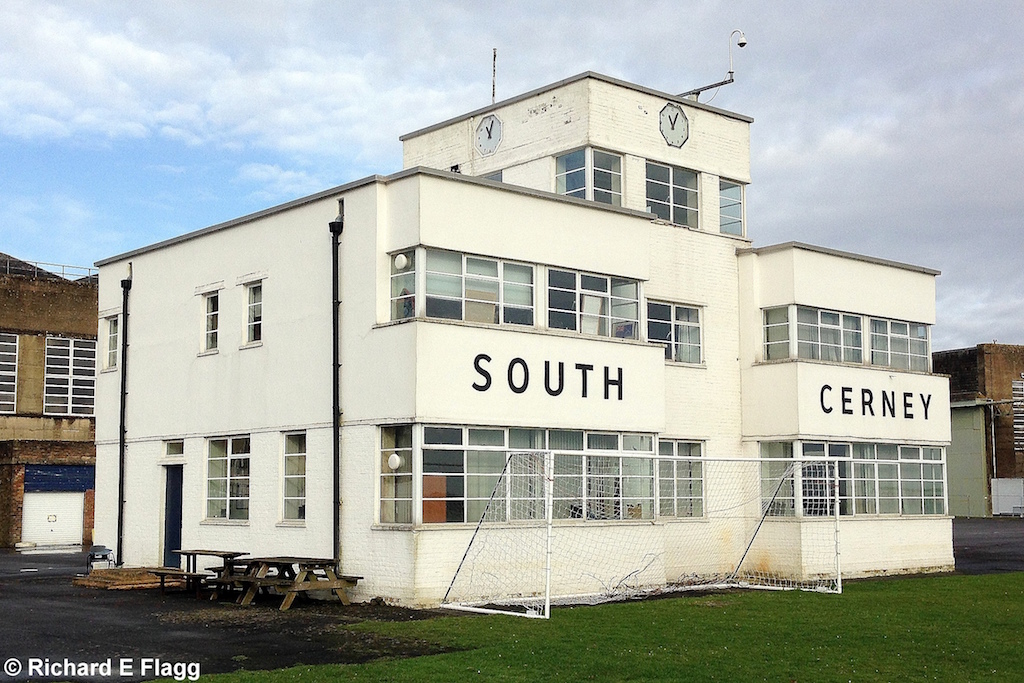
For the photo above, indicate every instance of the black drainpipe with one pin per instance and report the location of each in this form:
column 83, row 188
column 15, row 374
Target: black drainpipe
column 336, row 226
column 126, row 287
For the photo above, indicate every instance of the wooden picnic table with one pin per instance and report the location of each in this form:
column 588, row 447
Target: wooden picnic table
column 190, row 557
column 193, row 577
column 291, row 576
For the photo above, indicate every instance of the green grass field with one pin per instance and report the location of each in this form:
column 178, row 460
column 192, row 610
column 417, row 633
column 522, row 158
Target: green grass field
column 941, row 628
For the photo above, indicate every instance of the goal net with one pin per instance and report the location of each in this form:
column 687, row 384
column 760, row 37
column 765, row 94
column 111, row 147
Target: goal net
column 574, row 529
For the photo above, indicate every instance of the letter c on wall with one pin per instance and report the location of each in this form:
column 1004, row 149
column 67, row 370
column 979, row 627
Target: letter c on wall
column 825, row 409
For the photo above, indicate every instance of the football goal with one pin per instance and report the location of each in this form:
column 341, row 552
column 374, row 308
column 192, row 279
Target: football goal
column 584, row 529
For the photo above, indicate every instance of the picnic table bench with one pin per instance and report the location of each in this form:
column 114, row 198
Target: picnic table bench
column 192, row 579
column 291, row 576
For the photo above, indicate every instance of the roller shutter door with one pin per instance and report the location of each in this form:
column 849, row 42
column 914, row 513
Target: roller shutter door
column 53, row 517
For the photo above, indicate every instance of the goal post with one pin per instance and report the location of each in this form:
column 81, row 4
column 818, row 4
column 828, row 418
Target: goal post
column 582, row 529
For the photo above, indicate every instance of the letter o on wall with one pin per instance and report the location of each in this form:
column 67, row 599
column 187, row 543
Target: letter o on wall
column 520, row 388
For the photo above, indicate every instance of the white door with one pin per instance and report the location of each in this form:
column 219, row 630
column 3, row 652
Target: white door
column 53, row 517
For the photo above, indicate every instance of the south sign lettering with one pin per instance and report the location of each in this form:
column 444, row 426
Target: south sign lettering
column 558, row 377
column 908, row 405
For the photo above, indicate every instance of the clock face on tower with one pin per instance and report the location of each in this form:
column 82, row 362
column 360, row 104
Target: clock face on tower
column 674, row 126
column 488, row 134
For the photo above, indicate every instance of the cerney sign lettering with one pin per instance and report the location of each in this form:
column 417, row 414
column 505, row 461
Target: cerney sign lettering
column 580, row 377
column 867, row 403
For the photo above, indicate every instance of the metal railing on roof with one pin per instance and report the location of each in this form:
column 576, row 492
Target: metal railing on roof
column 41, row 269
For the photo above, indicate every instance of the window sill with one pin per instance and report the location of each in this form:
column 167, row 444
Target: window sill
column 251, row 345
column 841, row 364
column 106, row 371
column 208, row 352
column 525, row 329
column 292, row 524
column 682, row 364
column 224, row 522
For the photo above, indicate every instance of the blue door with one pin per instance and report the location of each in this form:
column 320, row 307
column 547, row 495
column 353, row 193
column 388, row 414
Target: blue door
column 172, row 515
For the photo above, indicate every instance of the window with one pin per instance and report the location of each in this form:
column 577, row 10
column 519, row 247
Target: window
column 881, row 478
column 212, row 318
column 1017, row 392
column 672, row 194
column 776, row 333
column 227, row 493
column 680, row 479
column 828, row 335
column 174, row 449
column 730, row 208
column 496, row 176
column 476, row 289
column 254, row 326
column 778, row 489
column 70, row 376
column 593, row 304
column 295, row 476
column 605, row 178
column 678, row 328
column 112, row 342
column 899, row 345
column 403, row 285
column 396, row 474
column 8, row 372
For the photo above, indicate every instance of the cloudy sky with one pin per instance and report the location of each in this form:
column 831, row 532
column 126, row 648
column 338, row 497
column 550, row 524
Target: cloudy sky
column 894, row 129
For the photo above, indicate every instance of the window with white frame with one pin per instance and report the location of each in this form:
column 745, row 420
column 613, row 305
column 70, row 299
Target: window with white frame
column 672, row 194
column 828, row 335
column 899, row 345
column 8, row 372
column 254, row 324
column 478, row 289
column 227, row 484
column 211, row 320
column 174, row 449
column 110, row 359
column 680, row 478
column 873, row 479
column 605, row 175
column 730, row 207
column 403, row 285
column 396, row 474
column 776, row 333
column 295, row 476
column 69, row 384
column 593, row 304
column 677, row 327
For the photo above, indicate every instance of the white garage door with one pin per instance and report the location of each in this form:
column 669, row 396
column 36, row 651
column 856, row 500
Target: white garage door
column 52, row 518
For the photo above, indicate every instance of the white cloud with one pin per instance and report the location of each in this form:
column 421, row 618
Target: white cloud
column 276, row 183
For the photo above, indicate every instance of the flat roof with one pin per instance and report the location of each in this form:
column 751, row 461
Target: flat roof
column 567, row 81
column 355, row 184
column 836, row 252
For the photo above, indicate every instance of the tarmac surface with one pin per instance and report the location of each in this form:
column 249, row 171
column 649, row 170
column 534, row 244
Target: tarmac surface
column 43, row 617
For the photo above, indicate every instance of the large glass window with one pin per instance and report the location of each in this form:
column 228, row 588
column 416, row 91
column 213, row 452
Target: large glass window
column 678, row 328
column 899, row 345
column 680, row 479
column 70, row 376
column 828, row 335
column 778, row 489
column 227, row 493
column 672, row 194
column 8, row 372
column 477, row 289
column 593, row 304
column 730, row 207
column 295, row 476
column 605, row 184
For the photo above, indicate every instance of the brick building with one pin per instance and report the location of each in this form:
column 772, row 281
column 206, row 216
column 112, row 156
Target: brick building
column 986, row 457
column 47, row 381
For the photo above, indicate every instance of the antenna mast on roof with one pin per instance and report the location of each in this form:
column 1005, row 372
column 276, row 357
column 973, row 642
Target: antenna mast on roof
column 494, row 71
column 740, row 42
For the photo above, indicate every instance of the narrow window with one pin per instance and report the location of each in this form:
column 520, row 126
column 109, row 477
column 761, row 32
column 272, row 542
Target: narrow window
column 677, row 328
column 680, row 479
column 112, row 343
column 605, row 176
column 776, row 333
column 295, row 476
column 777, row 481
column 212, row 320
column 254, row 328
column 403, row 285
column 730, row 208
column 396, row 474
column 8, row 372
column 571, row 174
